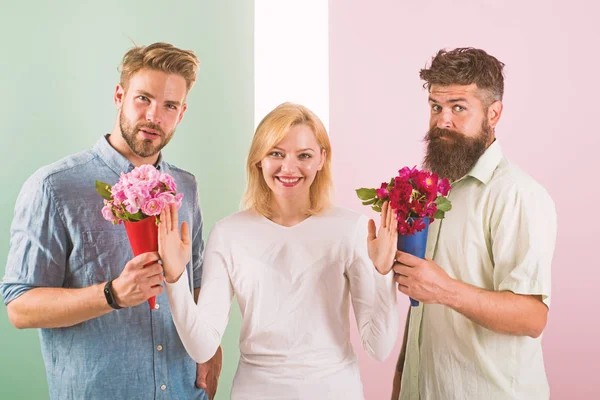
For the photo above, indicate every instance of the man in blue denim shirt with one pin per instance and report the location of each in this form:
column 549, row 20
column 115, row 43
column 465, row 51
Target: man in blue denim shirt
column 63, row 253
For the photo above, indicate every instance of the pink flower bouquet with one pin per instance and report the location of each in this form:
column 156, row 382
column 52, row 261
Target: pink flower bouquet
column 137, row 196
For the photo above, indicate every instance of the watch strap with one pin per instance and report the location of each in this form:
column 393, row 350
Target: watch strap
column 110, row 297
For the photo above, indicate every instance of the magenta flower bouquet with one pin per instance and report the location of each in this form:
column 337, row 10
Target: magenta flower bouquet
column 417, row 197
column 414, row 195
column 139, row 194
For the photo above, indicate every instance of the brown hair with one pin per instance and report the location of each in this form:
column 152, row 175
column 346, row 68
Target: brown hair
column 271, row 130
column 464, row 66
column 161, row 57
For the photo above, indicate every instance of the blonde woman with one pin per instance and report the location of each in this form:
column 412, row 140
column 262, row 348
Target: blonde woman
column 294, row 263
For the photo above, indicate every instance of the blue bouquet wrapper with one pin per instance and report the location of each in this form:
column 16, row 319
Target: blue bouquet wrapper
column 414, row 244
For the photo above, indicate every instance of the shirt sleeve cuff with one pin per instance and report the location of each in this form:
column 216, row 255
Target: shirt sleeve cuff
column 11, row 291
column 530, row 288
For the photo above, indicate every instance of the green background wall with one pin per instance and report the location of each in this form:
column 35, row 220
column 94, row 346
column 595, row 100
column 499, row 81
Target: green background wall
column 58, row 71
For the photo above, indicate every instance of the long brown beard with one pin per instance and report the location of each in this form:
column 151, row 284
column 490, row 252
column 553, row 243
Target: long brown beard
column 454, row 156
column 144, row 147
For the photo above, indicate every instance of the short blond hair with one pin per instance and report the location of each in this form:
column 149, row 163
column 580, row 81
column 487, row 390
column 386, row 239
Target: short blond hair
column 161, row 57
column 271, row 130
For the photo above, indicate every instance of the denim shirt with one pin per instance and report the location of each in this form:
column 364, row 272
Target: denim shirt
column 60, row 239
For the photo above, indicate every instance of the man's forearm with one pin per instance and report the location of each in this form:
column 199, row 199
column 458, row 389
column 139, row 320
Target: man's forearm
column 503, row 312
column 57, row 307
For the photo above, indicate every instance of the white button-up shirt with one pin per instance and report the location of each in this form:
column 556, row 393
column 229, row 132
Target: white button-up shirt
column 499, row 236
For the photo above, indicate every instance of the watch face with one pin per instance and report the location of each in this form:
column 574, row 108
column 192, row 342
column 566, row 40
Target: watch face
column 109, row 296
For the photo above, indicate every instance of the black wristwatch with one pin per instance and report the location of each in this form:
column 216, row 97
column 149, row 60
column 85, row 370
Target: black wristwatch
column 110, row 297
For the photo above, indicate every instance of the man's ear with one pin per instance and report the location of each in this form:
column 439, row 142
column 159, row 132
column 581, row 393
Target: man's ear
column 494, row 112
column 119, row 96
column 183, row 108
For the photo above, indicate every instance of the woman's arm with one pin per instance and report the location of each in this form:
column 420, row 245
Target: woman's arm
column 200, row 326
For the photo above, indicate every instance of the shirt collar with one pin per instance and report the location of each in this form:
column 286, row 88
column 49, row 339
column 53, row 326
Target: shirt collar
column 486, row 164
column 115, row 160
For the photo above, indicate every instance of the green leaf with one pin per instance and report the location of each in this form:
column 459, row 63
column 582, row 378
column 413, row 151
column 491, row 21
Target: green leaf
column 391, row 182
column 138, row 216
column 376, row 208
column 366, row 194
column 439, row 214
column 369, row 202
column 103, row 190
column 443, row 204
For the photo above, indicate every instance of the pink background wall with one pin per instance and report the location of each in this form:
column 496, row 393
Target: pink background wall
column 379, row 113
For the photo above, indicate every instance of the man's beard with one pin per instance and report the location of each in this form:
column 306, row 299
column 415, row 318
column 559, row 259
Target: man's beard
column 142, row 147
column 454, row 156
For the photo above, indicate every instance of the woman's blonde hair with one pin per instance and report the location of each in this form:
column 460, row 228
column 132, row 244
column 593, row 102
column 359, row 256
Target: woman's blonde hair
column 161, row 57
column 271, row 130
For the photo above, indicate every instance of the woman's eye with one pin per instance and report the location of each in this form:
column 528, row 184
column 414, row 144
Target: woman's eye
column 276, row 154
column 304, row 156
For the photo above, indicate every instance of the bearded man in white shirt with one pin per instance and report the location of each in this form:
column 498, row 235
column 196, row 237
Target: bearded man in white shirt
column 484, row 287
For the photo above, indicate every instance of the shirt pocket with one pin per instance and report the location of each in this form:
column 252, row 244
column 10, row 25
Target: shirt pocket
column 105, row 253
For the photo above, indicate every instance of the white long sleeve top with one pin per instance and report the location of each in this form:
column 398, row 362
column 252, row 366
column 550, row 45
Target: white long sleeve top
column 293, row 286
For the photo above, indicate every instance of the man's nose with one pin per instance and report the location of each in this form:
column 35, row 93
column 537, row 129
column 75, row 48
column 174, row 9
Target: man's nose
column 445, row 120
column 153, row 114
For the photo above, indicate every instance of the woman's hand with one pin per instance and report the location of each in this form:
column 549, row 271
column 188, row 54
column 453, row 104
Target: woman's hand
column 174, row 250
column 382, row 246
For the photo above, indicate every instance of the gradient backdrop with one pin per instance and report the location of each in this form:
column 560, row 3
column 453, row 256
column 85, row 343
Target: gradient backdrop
column 356, row 64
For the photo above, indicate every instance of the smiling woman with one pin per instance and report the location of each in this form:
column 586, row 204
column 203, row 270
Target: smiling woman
column 292, row 260
column 290, row 149
column 291, row 167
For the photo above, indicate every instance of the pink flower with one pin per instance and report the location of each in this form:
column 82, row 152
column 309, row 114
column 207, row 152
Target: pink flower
column 403, row 227
column 108, row 214
column 178, row 199
column 382, row 192
column 153, row 206
column 167, row 197
column 418, row 225
column 134, row 201
column 444, row 187
column 407, row 173
column 431, row 209
column 418, row 209
column 146, row 172
column 168, row 181
column 427, row 184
